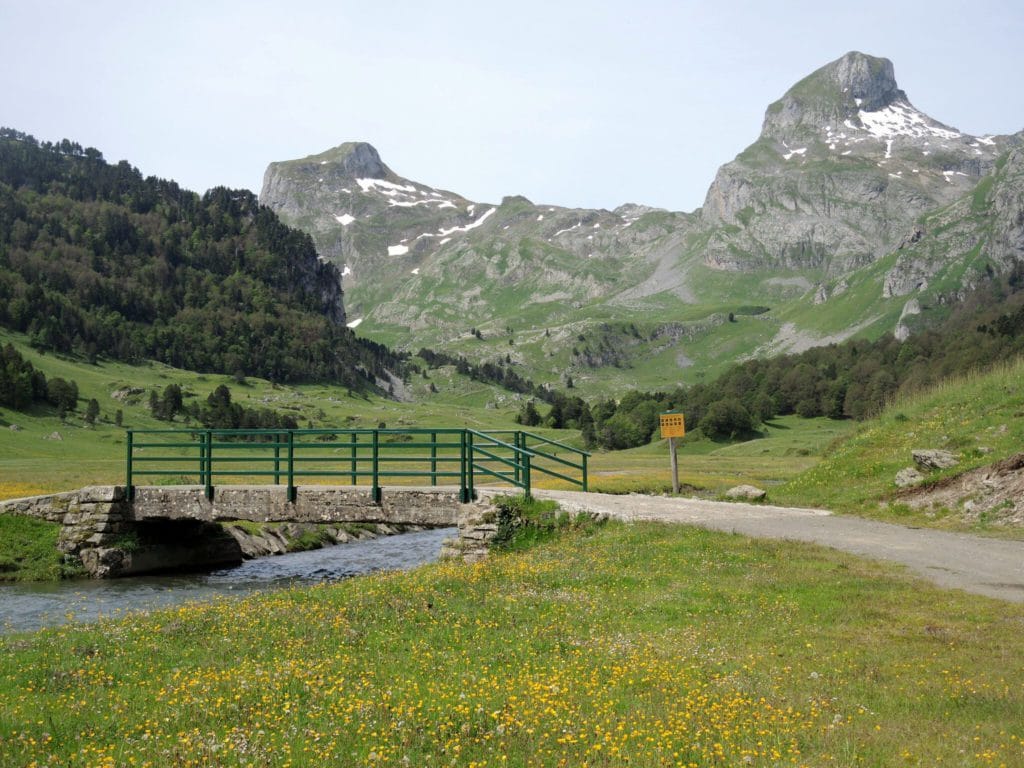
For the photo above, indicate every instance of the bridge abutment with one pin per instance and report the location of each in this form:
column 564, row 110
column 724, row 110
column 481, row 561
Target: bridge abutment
column 164, row 528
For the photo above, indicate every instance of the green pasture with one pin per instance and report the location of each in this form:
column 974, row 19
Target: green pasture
column 644, row 645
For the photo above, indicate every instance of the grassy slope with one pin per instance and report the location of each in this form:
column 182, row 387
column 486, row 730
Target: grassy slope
column 95, row 455
column 977, row 416
column 650, row 365
column 643, row 645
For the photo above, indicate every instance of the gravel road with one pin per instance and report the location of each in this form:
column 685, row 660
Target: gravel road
column 983, row 566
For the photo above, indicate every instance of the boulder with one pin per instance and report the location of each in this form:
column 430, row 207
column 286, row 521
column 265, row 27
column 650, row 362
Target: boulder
column 932, row 458
column 908, row 476
column 748, row 492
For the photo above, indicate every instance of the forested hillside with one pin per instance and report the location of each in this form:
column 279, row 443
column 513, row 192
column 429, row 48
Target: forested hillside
column 96, row 260
column 850, row 380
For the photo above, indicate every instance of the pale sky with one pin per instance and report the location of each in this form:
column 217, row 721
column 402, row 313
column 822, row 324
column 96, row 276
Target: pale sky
column 580, row 103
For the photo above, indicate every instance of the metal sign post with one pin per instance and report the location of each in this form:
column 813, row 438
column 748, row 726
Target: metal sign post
column 673, row 425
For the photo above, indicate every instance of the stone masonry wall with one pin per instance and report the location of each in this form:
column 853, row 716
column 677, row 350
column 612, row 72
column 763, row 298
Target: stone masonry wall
column 100, row 525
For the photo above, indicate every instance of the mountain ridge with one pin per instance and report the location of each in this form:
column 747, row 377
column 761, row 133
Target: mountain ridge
column 814, row 219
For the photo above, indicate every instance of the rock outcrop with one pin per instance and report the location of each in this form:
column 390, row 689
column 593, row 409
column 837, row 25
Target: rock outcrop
column 931, row 459
column 993, row 494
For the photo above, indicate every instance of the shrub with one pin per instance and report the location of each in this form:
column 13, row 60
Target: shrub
column 726, row 419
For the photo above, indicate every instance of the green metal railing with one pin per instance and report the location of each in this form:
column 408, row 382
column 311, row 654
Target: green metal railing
column 286, row 456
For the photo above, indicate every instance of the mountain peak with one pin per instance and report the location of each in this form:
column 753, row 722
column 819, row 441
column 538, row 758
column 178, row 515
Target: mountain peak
column 337, row 168
column 867, row 78
column 357, row 159
column 834, row 92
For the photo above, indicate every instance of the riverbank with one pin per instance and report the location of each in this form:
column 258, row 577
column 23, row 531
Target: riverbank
column 643, row 644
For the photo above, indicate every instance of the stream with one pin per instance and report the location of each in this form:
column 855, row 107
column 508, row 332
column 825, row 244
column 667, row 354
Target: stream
column 28, row 607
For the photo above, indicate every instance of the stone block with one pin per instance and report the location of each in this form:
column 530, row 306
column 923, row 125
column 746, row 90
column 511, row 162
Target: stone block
column 908, row 476
column 109, row 526
column 749, row 492
column 101, row 493
column 934, row 458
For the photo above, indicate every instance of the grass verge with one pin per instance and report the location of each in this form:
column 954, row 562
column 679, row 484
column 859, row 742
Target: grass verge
column 645, row 645
column 28, row 549
column 527, row 522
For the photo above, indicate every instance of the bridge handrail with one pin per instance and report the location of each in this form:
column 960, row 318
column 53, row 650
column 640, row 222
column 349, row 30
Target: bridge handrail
column 453, row 452
column 540, row 438
column 521, row 437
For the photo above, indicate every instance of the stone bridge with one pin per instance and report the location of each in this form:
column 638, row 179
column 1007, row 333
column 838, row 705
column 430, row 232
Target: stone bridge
column 164, row 528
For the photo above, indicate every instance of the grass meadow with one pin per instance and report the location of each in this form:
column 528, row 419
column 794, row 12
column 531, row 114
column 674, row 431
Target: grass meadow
column 643, row 645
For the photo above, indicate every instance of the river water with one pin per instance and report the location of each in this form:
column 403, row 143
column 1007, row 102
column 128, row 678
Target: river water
column 27, row 607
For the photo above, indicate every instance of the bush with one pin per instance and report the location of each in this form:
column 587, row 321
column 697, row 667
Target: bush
column 726, row 419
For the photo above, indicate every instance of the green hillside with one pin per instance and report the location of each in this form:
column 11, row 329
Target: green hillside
column 36, row 462
column 97, row 261
column 976, row 417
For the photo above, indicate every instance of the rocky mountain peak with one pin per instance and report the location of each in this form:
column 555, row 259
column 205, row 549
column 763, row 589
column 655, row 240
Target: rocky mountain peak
column 867, row 78
column 831, row 94
column 356, row 159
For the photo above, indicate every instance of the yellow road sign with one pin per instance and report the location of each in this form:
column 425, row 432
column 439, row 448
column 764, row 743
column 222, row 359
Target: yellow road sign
column 673, row 425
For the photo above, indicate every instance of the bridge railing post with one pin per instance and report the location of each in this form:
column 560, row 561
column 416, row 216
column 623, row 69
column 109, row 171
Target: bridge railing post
column 277, row 458
column 291, row 465
column 433, row 458
column 584, row 459
column 352, row 458
column 463, row 487
column 375, row 492
column 526, row 475
column 519, row 441
column 470, row 466
column 208, row 479
column 129, row 487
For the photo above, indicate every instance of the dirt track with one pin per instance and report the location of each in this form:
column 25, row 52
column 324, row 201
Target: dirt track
column 984, row 566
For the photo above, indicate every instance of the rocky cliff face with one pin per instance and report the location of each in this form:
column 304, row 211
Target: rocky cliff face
column 844, row 166
column 956, row 246
column 418, row 257
column 849, row 204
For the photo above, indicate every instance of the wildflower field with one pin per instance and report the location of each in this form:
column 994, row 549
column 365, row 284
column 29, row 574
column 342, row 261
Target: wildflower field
column 642, row 645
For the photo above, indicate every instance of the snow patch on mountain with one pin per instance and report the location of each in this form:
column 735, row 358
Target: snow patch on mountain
column 901, row 119
column 413, row 203
column 444, row 233
column 577, row 225
column 398, row 250
column 345, row 219
column 404, row 195
column 384, row 187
